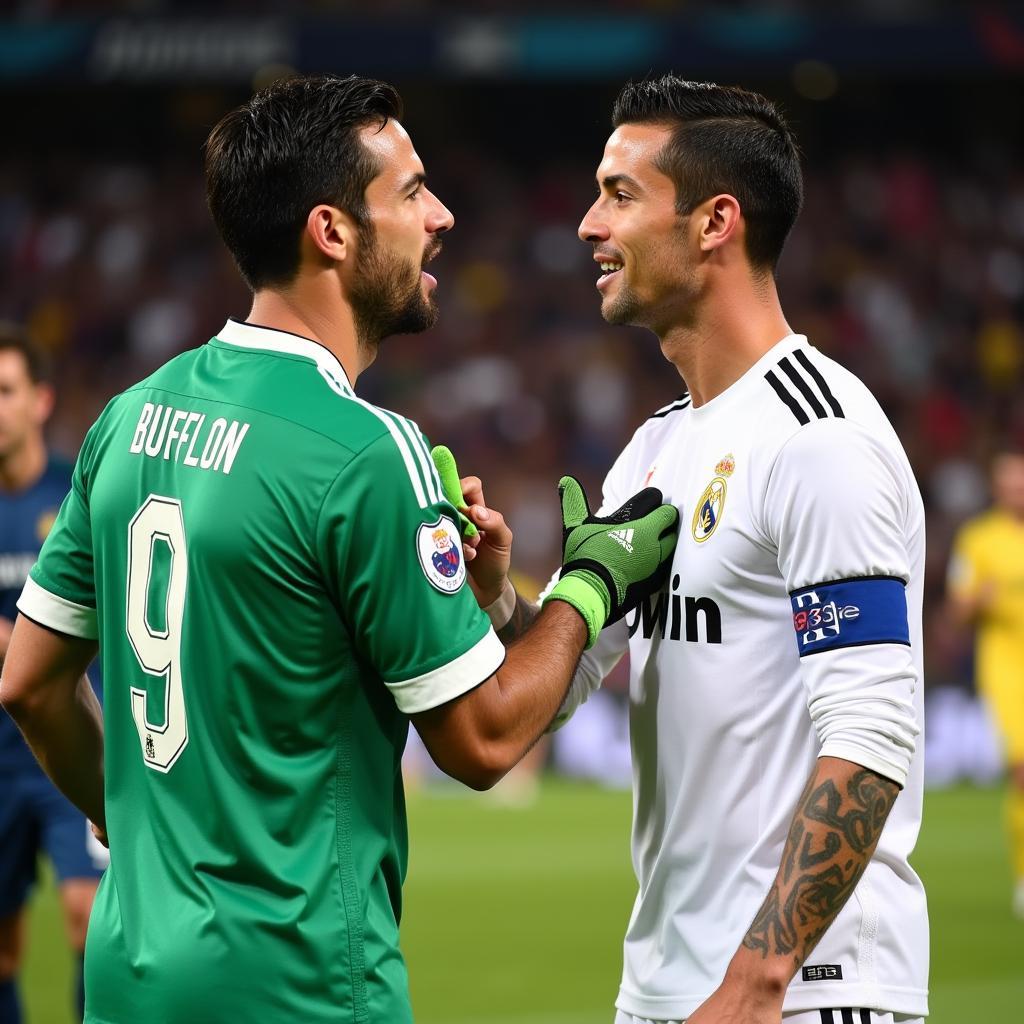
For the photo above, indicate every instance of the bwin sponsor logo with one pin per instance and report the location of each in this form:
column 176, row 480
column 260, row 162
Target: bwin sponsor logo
column 675, row 616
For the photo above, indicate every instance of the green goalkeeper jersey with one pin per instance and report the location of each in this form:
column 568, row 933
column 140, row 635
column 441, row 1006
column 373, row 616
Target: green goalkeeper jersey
column 276, row 582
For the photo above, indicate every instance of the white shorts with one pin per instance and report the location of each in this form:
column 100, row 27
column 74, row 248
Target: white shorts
column 830, row 1016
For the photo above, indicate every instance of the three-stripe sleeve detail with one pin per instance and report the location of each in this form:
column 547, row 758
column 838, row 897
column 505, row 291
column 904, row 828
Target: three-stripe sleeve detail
column 433, row 470
column 803, row 389
column 404, row 449
column 847, row 1013
column 425, row 461
column 827, row 1017
column 818, row 379
column 423, row 476
column 865, row 1017
column 794, row 406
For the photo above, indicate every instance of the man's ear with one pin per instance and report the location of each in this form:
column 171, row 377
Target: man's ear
column 719, row 219
column 45, row 399
column 331, row 231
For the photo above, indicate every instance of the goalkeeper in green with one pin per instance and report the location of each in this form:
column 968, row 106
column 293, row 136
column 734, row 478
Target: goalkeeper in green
column 276, row 583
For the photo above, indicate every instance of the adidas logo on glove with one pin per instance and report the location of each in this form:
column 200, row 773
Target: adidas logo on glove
column 624, row 537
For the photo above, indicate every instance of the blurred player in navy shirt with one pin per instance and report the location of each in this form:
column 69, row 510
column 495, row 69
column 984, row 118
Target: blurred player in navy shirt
column 34, row 816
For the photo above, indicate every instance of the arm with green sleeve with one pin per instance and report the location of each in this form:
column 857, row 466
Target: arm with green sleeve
column 477, row 733
column 600, row 580
column 488, row 551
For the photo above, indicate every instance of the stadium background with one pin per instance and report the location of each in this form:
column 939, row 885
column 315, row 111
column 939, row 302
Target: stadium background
column 907, row 265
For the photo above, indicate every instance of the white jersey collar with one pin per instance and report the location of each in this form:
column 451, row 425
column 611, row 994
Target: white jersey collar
column 268, row 339
column 756, row 372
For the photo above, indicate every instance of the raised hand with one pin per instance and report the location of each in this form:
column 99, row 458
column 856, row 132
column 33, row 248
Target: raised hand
column 486, row 537
column 611, row 563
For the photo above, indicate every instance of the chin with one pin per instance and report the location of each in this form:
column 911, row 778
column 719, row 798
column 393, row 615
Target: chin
column 618, row 313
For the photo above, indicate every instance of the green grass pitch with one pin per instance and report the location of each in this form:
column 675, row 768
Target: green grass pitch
column 515, row 916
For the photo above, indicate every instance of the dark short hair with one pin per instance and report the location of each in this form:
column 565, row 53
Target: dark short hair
column 14, row 338
column 724, row 139
column 291, row 147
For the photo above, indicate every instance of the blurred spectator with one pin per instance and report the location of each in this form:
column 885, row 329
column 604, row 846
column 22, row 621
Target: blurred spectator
column 986, row 587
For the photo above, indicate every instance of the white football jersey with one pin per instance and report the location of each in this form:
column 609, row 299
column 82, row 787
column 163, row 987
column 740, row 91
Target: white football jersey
column 790, row 629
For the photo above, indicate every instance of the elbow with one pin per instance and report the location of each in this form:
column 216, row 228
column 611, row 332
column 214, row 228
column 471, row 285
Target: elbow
column 14, row 699
column 481, row 781
column 480, row 766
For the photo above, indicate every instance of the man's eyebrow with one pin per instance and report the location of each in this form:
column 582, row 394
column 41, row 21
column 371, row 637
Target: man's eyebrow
column 612, row 181
column 412, row 181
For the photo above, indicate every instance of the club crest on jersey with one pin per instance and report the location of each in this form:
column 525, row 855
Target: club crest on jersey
column 708, row 513
column 440, row 553
column 726, row 465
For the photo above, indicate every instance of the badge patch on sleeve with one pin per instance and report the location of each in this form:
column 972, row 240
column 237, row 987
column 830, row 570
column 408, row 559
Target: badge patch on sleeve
column 850, row 613
column 439, row 547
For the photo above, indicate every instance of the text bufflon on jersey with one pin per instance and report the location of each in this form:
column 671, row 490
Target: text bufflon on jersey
column 162, row 429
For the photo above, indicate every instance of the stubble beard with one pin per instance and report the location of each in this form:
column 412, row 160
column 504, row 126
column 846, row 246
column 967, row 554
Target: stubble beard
column 387, row 297
column 627, row 309
column 623, row 309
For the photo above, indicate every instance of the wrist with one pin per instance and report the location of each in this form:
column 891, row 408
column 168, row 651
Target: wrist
column 764, row 978
column 587, row 594
column 500, row 610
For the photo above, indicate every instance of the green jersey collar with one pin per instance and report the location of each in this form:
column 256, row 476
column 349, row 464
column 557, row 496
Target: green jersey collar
column 267, row 339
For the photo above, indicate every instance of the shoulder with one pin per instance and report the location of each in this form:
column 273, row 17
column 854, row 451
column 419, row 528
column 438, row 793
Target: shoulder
column 390, row 456
column 809, row 400
column 802, row 387
column 839, row 454
column 808, row 386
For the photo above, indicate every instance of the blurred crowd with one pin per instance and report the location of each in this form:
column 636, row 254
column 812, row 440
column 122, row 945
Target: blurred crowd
column 909, row 272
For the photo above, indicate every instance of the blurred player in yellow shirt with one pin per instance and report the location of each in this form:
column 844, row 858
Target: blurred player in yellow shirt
column 986, row 586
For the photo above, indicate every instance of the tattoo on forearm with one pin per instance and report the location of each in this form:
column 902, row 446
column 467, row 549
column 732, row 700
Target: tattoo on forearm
column 821, row 866
column 522, row 616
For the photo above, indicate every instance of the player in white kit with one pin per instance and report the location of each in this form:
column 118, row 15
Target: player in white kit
column 776, row 680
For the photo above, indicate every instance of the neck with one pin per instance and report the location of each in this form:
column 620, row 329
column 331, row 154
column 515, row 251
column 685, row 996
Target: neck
column 732, row 328
column 23, row 466
column 313, row 309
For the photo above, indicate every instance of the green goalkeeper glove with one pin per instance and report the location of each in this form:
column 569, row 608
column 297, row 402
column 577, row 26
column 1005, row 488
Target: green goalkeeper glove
column 446, row 470
column 611, row 563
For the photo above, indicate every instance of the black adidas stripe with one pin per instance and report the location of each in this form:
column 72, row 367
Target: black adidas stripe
column 829, row 1016
column 823, row 387
column 803, row 387
column 794, row 406
column 680, row 403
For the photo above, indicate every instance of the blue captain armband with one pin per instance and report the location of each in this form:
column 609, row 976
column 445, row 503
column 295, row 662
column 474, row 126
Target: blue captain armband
column 850, row 613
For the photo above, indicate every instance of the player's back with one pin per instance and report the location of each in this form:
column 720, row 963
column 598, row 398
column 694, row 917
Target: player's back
column 254, row 802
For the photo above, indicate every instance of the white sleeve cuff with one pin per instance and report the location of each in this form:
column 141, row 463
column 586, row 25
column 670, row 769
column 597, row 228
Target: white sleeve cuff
column 57, row 613
column 451, row 680
column 867, row 759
